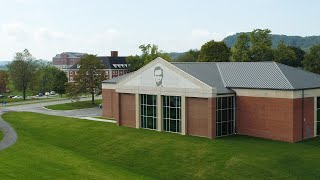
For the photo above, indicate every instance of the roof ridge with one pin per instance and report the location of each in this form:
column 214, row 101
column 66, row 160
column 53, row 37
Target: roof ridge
column 285, row 77
column 224, row 83
column 301, row 69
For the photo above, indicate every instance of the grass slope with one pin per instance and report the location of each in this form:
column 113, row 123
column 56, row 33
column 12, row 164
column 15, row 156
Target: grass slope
column 74, row 105
column 64, row 148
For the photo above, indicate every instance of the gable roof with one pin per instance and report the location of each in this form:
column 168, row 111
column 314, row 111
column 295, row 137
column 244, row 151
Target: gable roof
column 205, row 72
column 109, row 62
column 250, row 75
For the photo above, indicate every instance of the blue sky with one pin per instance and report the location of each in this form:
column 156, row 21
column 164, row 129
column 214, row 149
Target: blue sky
column 49, row 27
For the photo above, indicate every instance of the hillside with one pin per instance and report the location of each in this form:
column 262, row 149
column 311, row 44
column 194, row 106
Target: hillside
column 302, row 42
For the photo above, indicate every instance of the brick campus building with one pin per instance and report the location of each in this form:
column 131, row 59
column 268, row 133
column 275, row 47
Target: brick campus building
column 262, row 99
column 114, row 65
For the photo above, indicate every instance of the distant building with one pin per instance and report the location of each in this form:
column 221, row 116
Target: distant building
column 114, row 66
column 65, row 60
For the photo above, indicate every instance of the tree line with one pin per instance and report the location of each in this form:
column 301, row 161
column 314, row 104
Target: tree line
column 255, row 46
column 27, row 74
column 305, row 43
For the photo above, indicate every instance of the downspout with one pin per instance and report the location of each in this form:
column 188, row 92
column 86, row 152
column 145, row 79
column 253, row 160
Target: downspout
column 302, row 114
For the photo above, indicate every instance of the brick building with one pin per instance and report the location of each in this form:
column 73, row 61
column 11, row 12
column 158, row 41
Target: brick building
column 65, row 60
column 262, row 99
column 114, row 66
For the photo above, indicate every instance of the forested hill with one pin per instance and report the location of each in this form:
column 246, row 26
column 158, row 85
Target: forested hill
column 302, row 42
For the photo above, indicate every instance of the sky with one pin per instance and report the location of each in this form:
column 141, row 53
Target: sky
column 50, row 27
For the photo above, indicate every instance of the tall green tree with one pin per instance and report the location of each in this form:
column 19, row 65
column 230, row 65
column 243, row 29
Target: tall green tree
column 213, row 51
column 51, row 79
column 4, row 80
column 60, row 82
column 311, row 61
column 189, row 56
column 90, row 75
column 149, row 53
column 135, row 62
column 22, row 70
column 45, row 78
column 241, row 51
column 73, row 91
column 299, row 56
column 261, row 45
column 283, row 54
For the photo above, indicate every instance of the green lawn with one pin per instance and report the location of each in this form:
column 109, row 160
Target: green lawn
column 51, row 147
column 75, row 105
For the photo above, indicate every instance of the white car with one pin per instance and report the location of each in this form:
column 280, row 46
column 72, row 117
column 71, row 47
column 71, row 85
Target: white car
column 52, row 93
column 17, row 97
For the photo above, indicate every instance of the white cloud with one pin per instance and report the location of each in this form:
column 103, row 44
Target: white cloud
column 15, row 31
column 44, row 34
column 109, row 34
column 207, row 35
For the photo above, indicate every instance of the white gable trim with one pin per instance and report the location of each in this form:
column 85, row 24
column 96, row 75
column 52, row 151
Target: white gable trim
column 204, row 90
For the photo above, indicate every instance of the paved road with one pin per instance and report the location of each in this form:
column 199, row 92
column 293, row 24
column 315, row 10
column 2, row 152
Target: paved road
column 38, row 108
column 9, row 134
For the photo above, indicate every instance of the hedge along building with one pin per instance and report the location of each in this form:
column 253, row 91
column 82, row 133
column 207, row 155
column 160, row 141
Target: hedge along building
column 262, row 99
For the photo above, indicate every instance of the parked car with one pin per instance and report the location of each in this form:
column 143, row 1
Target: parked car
column 40, row 94
column 2, row 96
column 100, row 106
column 11, row 96
column 52, row 93
column 17, row 97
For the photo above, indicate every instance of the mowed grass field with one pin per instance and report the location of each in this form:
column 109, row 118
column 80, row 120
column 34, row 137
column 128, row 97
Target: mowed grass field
column 51, row 147
column 75, row 105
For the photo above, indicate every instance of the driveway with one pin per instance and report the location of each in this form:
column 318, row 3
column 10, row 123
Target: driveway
column 38, row 108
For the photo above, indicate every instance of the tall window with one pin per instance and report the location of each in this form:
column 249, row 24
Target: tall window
column 225, row 116
column 171, row 113
column 318, row 116
column 148, row 111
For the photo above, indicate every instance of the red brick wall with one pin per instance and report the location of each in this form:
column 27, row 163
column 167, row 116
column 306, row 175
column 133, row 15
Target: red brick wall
column 200, row 116
column 127, row 110
column 109, row 103
column 308, row 120
column 272, row 118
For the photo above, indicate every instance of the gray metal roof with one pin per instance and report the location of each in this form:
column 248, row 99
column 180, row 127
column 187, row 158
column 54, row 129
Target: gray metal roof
column 265, row 75
column 254, row 75
column 208, row 73
column 299, row 78
column 117, row 79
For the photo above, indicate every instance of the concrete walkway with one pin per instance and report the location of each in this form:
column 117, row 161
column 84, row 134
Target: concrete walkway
column 9, row 134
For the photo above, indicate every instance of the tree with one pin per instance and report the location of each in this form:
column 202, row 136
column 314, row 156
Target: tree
column 149, row 53
column 213, row 51
column 283, row 54
column 299, row 56
column 241, row 51
column 135, row 62
column 60, row 82
column 311, row 61
column 4, row 80
column 22, row 71
column 261, row 49
column 189, row 56
column 90, row 75
column 45, row 78
column 73, row 92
